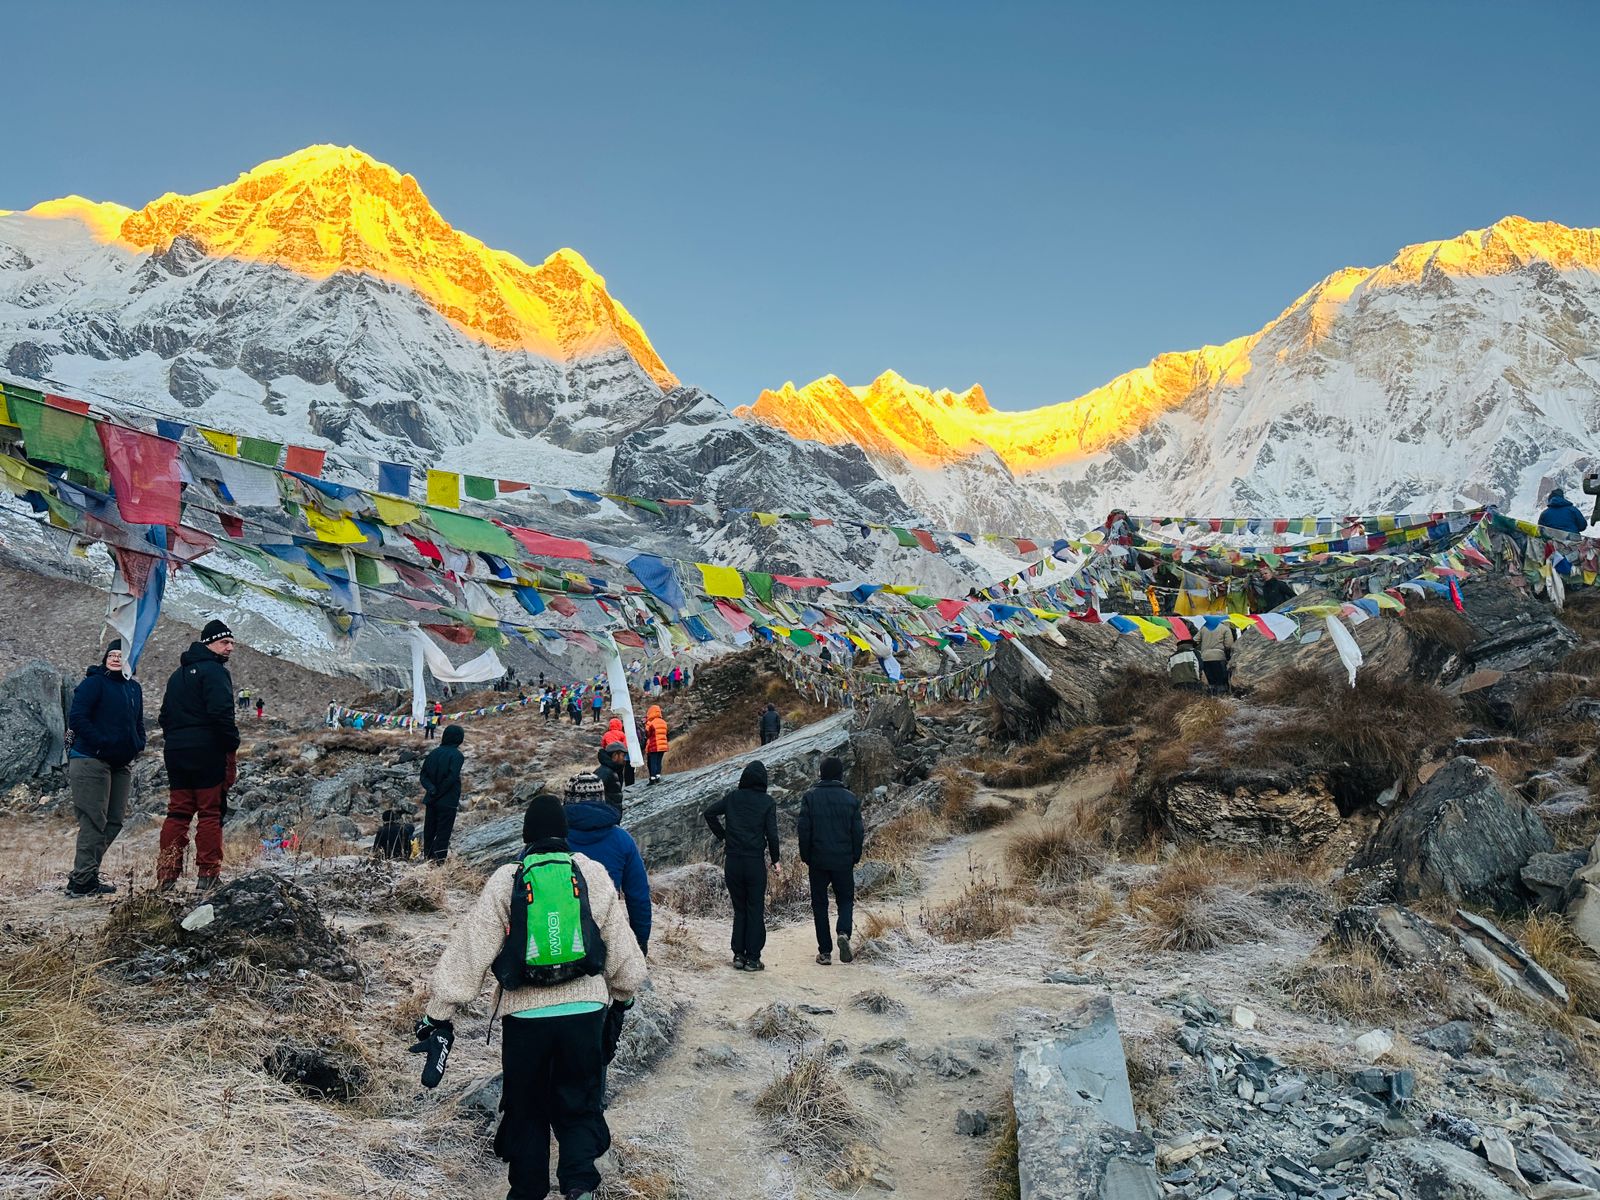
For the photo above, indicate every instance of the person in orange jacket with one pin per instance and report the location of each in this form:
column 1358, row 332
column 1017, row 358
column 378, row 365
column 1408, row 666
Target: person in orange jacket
column 655, row 741
column 614, row 734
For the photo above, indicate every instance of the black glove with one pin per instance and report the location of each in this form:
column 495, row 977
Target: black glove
column 612, row 1032
column 434, row 1038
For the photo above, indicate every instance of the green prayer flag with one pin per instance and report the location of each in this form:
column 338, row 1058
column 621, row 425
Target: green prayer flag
column 479, row 488
column 802, row 637
column 473, row 533
column 223, row 585
column 492, row 637
column 647, row 505
column 922, row 601
column 57, row 436
column 368, row 573
column 259, row 450
column 760, row 584
column 903, row 536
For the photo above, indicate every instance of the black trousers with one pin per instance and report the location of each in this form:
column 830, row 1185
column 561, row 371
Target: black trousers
column 843, row 882
column 437, row 826
column 554, row 1069
column 1216, row 675
column 768, row 737
column 747, row 889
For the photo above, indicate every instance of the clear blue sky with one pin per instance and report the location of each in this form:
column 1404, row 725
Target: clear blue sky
column 1033, row 196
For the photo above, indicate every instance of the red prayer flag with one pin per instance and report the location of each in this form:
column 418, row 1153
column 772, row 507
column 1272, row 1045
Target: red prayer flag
column 426, row 548
column 563, row 606
column 461, row 635
column 624, row 637
column 817, row 521
column 926, row 540
column 548, row 546
column 950, row 609
column 231, row 525
column 510, row 485
column 800, row 581
column 1024, row 546
column 144, row 474
column 303, row 460
column 81, row 407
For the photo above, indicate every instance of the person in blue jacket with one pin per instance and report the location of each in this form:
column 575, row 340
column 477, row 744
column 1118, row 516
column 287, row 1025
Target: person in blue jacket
column 1561, row 513
column 594, row 829
column 107, row 724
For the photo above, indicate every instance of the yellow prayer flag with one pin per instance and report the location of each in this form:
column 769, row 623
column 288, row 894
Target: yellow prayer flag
column 395, row 512
column 721, row 581
column 226, row 443
column 339, row 531
column 5, row 411
column 444, row 489
column 767, row 518
column 1150, row 631
column 1240, row 621
column 899, row 589
column 1386, row 601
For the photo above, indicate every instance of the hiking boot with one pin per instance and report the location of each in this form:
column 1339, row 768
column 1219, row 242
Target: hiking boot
column 166, row 885
column 738, row 963
column 845, row 953
column 577, row 1196
column 206, row 885
column 754, row 964
column 824, row 960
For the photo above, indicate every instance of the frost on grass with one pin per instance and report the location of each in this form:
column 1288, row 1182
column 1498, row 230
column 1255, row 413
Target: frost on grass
column 811, row 1113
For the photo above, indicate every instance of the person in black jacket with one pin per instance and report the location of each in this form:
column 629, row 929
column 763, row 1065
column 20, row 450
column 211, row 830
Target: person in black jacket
column 771, row 724
column 1271, row 592
column 612, row 772
column 441, row 793
column 831, row 838
column 751, row 832
column 202, row 742
column 394, row 836
column 107, row 723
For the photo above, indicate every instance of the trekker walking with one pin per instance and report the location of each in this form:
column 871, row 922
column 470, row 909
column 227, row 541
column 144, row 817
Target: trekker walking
column 831, row 839
column 441, row 793
column 1561, row 513
column 430, row 723
column 751, row 835
column 554, row 1047
column 614, row 733
column 393, row 839
column 771, row 724
column 107, row 724
column 655, row 741
column 1216, row 651
column 613, row 773
column 201, row 754
column 261, row 705
column 599, row 702
column 594, row 828
column 244, row 697
column 332, row 721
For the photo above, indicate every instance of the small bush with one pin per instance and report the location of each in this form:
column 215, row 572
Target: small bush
column 1001, row 1177
column 901, row 840
column 1356, row 983
column 980, row 912
column 1440, row 625
column 1059, row 855
column 810, row 1111
column 1585, row 660
column 780, row 1023
column 1188, row 908
column 1550, row 940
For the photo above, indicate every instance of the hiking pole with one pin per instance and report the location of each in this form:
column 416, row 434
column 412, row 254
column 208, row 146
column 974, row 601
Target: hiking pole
column 434, row 1039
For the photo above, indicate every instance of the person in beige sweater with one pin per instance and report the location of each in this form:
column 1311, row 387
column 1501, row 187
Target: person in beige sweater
column 552, row 1050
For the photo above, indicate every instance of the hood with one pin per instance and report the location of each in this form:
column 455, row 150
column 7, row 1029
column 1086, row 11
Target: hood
column 591, row 816
column 453, row 735
column 655, row 711
column 1559, row 500
column 754, row 777
column 615, row 726
column 199, row 652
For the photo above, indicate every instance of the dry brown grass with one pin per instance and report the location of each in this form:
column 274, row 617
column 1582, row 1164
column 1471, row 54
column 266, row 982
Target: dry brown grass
column 1439, row 624
column 1585, row 660
column 902, row 840
column 1062, row 854
column 981, row 912
column 1001, row 1180
column 1356, row 984
column 731, row 730
column 1535, row 706
column 1549, row 938
column 1151, row 1084
column 811, row 1113
column 1191, row 907
column 779, row 1022
column 650, row 1166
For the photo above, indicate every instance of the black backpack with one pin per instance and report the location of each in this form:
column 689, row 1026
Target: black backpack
column 523, row 963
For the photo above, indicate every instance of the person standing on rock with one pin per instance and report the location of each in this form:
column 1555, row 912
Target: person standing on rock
column 394, row 836
column 771, row 724
column 200, row 751
column 441, row 793
column 107, row 724
column 1216, row 652
column 831, row 840
column 750, row 840
column 655, row 741
column 553, row 1046
column 612, row 773
column 599, row 703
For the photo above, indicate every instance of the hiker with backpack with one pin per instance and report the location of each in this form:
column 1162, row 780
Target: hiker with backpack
column 441, row 793
column 556, row 992
column 749, row 837
column 831, row 841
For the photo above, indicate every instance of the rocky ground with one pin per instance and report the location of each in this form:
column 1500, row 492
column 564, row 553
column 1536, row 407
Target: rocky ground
column 1175, row 946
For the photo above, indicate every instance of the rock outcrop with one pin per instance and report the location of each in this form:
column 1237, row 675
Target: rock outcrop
column 33, row 723
column 1093, row 660
column 1249, row 808
column 1462, row 835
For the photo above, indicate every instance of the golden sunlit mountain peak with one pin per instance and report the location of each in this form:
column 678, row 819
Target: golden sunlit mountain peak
column 326, row 210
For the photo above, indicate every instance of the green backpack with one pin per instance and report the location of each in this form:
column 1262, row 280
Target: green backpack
column 553, row 938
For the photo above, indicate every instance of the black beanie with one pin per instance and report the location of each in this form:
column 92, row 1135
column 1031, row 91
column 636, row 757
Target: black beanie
column 113, row 644
column 833, row 768
column 544, row 819
column 754, row 777
column 214, row 631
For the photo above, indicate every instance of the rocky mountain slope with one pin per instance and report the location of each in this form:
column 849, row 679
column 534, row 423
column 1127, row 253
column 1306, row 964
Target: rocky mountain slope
column 1461, row 371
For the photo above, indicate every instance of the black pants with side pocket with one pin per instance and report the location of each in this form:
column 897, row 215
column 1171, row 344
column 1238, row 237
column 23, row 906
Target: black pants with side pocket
column 747, row 889
column 843, row 882
column 437, row 826
column 554, row 1072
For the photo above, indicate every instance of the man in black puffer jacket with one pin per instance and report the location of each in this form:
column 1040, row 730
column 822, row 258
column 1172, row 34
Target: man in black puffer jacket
column 107, row 723
column 751, row 840
column 831, row 839
column 202, row 739
column 612, row 772
column 441, row 793
column 771, row 724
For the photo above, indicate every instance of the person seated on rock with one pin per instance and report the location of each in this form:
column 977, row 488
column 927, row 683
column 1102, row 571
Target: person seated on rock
column 1561, row 513
column 394, row 836
column 749, row 837
column 594, row 827
column 612, row 773
column 553, row 1048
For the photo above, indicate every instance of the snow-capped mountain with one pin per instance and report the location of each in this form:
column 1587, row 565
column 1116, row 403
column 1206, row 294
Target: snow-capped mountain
column 320, row 299
column 1460, row 372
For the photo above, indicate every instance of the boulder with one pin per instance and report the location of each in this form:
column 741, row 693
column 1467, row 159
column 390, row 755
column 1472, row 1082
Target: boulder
column 1549, row 877
column 1401, row 937
column 1463, row 835
column 1584, row 915
column 1440, row 1171
column 1247, row 808
column 1094, row 659
column 666, row 819
column 893, row 717
column 1076, row 1132
column 33, row 723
